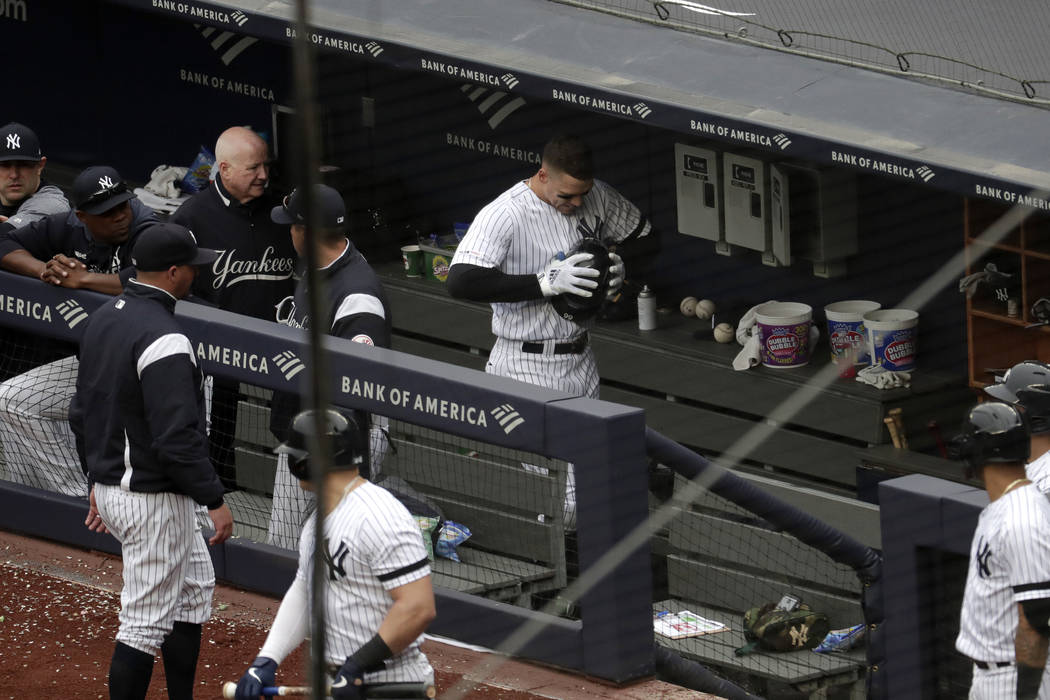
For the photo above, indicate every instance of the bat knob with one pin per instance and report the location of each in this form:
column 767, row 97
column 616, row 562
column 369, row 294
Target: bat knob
column 229, row 690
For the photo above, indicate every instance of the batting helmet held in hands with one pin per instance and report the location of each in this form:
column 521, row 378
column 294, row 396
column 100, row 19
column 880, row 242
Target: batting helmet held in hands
column 1028, row 384
column 573, row 307
column 347, row 444
column 993, row 433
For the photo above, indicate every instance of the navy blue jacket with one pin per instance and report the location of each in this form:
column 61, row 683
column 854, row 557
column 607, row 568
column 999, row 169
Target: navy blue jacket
column 357, row 311
column 256, row 258
column 65, row 234
column 138, row 412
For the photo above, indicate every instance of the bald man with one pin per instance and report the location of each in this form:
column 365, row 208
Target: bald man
column 253, row 271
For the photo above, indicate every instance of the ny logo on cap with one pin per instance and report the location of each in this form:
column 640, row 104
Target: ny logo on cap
column 14, row 141
column 105, row 182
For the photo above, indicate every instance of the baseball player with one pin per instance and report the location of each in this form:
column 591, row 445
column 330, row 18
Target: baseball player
column 138, row 417
column 1027, row 384
column 24, row 196
column 88, row 248
column 1004, row 624
column 514, row 256
column 357, row 311
column 378, row 598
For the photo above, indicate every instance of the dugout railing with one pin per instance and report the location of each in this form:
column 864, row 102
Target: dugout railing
column 613, row 637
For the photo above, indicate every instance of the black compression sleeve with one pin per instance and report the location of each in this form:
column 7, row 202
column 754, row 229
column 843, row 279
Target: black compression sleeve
column 476, row 283
column 1028, row 681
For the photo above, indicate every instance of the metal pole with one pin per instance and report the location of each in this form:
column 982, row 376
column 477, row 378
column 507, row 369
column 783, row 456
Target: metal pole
column 305, row 168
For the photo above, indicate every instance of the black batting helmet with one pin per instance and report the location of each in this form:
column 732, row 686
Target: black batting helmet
column 348, row 445
column 1028, row 384
column 993, row 433
column 573, row 307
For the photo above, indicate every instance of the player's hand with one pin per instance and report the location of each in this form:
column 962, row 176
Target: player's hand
column 566, row 277
column 222, row 519
column 93, row 519
column 60, row 268
column 615, row 275
column 261, row 674
column 348, row 682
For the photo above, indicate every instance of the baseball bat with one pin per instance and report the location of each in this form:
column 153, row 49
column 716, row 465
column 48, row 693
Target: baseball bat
column 892, row 426
column 373, row 691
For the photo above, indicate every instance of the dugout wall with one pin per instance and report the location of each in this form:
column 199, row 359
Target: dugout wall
column 442, row 119
column 613, row 639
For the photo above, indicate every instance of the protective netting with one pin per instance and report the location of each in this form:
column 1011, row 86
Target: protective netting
column 722, row 561
column 984, row 46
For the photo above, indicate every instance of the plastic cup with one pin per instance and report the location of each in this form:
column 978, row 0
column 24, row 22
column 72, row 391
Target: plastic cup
column 412, row 257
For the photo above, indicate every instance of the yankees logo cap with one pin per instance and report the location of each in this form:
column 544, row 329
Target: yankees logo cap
column 18, row 142
column 98, row 189
column 162, row 245
column 331, row 210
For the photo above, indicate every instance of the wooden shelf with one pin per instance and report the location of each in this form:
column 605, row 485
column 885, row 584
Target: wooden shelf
column 994, row 339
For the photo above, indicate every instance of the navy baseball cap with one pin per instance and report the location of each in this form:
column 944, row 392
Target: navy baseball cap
column 98, row 189
column 329, row 203
column 162, row 245
column 18, row 142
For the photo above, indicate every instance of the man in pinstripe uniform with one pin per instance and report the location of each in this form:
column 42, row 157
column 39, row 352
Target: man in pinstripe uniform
column 1027, row 384
column 1005, row 620
column 138, row 419
column 513, row 256
column 378, row 598
column 357, row 311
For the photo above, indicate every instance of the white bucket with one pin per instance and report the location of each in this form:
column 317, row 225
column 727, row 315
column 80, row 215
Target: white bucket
column 846, row 331
column 783, row 332
column 892, row 334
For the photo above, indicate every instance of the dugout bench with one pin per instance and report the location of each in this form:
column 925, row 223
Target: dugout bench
column 722, row 560
column 517, row 545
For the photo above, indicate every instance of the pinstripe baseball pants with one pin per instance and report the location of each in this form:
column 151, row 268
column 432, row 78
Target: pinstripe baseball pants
column 1001, row 684
column 168, row 575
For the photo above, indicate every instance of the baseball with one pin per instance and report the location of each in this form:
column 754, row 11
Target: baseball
column 705, row 309
column 724, row 333
column 688, row 306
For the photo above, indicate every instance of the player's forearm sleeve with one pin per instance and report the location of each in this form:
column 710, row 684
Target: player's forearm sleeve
column 476, row 283
column 290, row 625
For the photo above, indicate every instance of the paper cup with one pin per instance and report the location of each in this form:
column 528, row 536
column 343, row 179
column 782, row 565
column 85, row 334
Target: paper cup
column 412, row 257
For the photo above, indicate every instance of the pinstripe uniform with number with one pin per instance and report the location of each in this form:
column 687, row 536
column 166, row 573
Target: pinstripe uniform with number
column 359, row 313
column 1009, row 563
column 372, row 545
column 138, row 418
column 518, row 233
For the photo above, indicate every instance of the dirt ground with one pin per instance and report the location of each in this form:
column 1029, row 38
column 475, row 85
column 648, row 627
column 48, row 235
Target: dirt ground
column 58, row 618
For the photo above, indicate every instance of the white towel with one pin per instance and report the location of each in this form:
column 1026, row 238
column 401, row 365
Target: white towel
column 751, row 354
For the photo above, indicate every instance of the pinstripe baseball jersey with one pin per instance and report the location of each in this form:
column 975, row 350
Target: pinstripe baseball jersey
column 1038, row 470
column 1009, row 563
column 518, row 233
column 373, row 545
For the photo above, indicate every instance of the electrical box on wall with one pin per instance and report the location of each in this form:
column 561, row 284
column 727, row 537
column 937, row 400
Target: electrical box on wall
column 820, row 210
column 757, row 208
column 698, row 189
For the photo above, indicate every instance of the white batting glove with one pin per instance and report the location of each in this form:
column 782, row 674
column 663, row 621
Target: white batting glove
column 566, row 277
column 615, row 275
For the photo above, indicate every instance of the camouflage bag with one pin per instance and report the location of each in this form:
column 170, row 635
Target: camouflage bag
column 772, row 629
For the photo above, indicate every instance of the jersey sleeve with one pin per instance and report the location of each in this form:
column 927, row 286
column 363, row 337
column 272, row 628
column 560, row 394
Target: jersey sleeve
column 47, row 200
column 39, row 239
column 1026, row 545
column 165, row 370
column 488, row 239
column 362, row 319
column 623, row 220
column 395, row 548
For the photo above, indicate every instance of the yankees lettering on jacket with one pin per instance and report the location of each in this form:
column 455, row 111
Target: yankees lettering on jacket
column 228, row 269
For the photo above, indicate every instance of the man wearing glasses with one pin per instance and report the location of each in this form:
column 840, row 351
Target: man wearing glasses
column 88, row 248
column 24, row 196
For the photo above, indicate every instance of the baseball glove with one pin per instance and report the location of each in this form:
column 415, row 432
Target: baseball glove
column 578, row 309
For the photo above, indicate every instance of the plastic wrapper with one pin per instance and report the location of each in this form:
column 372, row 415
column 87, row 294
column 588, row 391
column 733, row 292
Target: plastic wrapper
column 427, row 526
column 452, row 535
column 842, row 640
column 196, row 178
